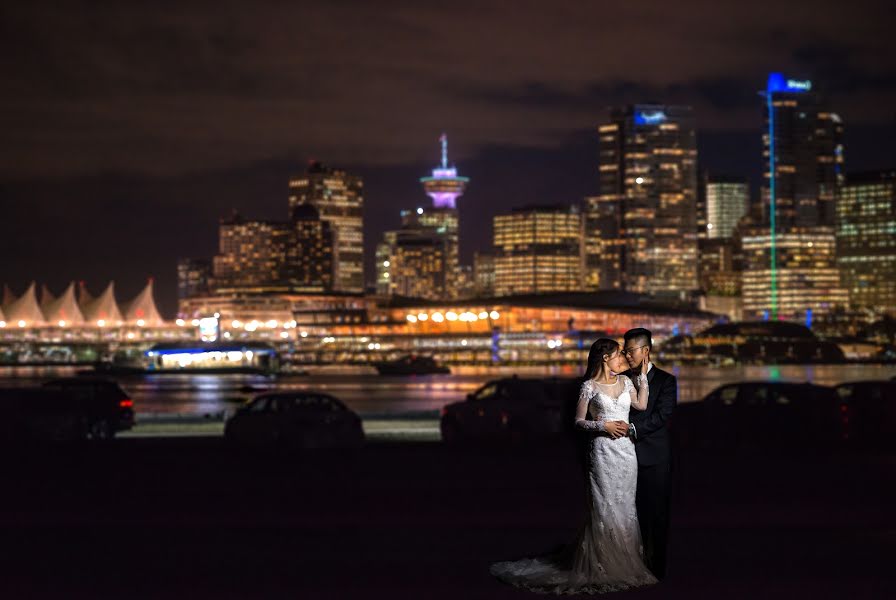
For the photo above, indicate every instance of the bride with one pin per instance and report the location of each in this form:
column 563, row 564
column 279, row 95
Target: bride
column 607, row 556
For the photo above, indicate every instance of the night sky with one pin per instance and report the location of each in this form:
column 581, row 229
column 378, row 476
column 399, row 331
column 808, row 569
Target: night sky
column 129, row 128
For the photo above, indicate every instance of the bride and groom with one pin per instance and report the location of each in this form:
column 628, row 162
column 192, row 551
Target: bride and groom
column 623, row 542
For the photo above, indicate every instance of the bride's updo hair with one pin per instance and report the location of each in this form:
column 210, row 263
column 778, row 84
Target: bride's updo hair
column 596, row 355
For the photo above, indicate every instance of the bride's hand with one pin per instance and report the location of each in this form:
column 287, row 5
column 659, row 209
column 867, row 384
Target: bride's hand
column 644, row 366
column 616, row 429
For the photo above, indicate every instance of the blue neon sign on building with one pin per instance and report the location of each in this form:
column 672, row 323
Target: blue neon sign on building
column 778, row 83
column 649, row 116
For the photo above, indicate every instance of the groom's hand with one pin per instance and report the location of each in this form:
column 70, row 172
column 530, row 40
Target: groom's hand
column 616, row 429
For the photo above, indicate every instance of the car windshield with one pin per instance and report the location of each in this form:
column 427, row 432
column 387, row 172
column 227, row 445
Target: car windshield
column 488, row 391
column 259, row 404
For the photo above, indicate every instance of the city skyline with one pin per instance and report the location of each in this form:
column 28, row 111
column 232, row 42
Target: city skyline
column 67, row 171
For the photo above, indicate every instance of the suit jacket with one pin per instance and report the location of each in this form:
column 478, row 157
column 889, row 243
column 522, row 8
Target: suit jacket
column 651, row 432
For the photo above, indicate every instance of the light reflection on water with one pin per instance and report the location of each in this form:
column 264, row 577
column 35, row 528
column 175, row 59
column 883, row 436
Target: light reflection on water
column 371, row 394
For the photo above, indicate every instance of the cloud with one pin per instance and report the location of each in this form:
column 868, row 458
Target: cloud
column 196, row 85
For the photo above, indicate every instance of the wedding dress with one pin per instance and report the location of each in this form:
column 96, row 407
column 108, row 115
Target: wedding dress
column 607, row 554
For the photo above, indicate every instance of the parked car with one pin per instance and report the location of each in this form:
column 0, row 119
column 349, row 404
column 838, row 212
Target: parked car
column 760, row 414
column 869, row 411
column 105, row 406
column 305, row 419
column 37, row 414
column 513, row 408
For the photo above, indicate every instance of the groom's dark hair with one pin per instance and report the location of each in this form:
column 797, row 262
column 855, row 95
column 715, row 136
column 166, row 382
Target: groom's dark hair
column 642, row 335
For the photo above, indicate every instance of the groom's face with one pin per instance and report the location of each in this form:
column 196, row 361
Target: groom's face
column 635, row 351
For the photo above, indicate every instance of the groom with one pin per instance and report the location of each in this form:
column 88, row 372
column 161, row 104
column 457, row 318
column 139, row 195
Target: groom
column 648, row 429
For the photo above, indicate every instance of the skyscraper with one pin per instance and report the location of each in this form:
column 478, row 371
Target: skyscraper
column 309, row 258
column 193, row 277
column 411, row 263
column 641, row 231
column 726, row 200
column 338, row 198
column 803, row 159
column 538, row 250
column 252, row 254
column 866, row 240
column 803, row 140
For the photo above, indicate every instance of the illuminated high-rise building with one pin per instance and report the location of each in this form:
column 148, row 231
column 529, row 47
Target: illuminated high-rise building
column 807, row 275
column 252, row 254
column 484, row 274
column 538, row 250
column 441, row 222
column 641, row 231
column 725, row 201
column 803, row 158
column 338, row 198
column 411, row 263
column 309, row 257
column 193, row 277
column 445, row 185
column 718, row 270
column 866, row 240
column 803, row 140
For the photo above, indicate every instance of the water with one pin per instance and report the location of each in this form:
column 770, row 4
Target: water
column 375, row 396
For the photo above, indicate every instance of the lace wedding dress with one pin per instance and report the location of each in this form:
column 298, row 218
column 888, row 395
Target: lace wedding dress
column 607, row 554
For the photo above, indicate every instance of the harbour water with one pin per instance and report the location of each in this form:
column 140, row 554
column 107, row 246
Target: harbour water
column 374, row 396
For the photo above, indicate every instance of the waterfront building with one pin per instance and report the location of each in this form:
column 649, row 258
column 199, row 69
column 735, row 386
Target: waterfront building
column 866, row 240
column 641, row 230
column 339, row 200
column 806, row 275
column 22, row 311
column 103, row 310
column 538, row 250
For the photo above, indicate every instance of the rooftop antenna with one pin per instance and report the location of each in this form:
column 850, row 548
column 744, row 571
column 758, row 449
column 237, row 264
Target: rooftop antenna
column 444, row 139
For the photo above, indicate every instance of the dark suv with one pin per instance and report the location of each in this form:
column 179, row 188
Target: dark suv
column 760, row 414
column 106, row 408
column 39, row 415
column 514, row 408
column 305, row 419
column 869, row 411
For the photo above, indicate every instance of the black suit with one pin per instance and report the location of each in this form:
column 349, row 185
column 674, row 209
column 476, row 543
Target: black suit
column 654, row 465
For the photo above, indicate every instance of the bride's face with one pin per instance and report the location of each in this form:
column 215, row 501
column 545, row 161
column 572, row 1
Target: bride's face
column 617, row 363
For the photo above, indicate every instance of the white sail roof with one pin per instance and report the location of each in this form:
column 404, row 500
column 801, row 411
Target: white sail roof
column 8, row 296
column 62, row 309
column 84, row 297
column 102, row 308
column 143, row 308
column 24, row 308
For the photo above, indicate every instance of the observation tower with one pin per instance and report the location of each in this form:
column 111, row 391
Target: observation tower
column 445, row 185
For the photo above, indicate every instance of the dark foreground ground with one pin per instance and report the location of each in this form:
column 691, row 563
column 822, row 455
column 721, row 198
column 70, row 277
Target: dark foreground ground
column 192, row 518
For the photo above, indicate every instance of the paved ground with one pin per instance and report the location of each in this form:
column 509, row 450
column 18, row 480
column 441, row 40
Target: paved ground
column 417, row 429
column 193, row 518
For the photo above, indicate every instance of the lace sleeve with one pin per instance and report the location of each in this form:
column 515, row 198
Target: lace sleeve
column 639, row 401
column 582, row 422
